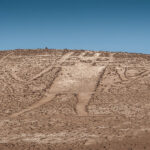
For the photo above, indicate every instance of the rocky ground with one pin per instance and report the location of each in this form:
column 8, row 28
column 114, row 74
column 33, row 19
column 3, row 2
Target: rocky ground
column 74, row 100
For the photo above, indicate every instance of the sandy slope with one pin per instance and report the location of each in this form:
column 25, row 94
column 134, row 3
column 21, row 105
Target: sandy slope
column 62, row 99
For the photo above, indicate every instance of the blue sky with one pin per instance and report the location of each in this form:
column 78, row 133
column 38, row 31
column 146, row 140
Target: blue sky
column 112, row 25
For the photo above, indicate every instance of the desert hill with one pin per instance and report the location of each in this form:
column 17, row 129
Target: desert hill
column 74, row 99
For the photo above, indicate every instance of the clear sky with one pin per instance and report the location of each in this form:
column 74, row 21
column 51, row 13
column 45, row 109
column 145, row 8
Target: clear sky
column 112, row 25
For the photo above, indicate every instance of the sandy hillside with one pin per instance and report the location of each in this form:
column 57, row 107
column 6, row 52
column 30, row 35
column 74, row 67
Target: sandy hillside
column 74, row 100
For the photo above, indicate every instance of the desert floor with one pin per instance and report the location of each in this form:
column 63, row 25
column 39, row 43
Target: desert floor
column 74, row 100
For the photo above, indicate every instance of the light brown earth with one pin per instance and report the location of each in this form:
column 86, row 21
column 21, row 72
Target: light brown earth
column 74, row 100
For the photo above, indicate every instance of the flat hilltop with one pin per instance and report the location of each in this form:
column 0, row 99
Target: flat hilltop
column 74, row 100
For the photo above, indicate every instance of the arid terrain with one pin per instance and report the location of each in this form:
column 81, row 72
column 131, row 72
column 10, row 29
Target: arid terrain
column 74, row 100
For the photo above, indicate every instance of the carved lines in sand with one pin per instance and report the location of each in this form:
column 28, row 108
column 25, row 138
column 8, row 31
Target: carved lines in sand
column 80, row 79
column 48, row 96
